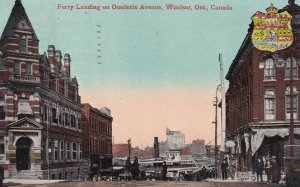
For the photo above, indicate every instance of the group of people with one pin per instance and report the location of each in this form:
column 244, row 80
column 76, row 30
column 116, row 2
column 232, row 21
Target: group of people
column 271, row 168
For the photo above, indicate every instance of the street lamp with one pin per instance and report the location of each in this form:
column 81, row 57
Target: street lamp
column 280, row 61
column 216, row 127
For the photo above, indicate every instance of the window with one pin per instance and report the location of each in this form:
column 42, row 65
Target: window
column 23, row 44
column 46, row 77
column 74, row 153
column 54, row 115
column 68, row 150
column 28, row 69
column 270, row 105
column 62, row 150
column 288, row 103
column 2, row 111
column 73, row 121
column 80, row 151
column 269, row 69
column 56, row 150
column 2, row 150
column 289, row 69
column 45, row 113
column 67, row 119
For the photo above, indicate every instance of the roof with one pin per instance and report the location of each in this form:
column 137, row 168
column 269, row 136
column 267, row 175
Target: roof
column 17, row 15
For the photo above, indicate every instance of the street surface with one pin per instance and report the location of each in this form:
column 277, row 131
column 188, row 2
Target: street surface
column 51, row 183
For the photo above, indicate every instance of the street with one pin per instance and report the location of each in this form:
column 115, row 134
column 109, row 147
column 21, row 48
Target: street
column 218, row 183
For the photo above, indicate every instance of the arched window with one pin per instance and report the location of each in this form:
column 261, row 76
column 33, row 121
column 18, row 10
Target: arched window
column 269, row 71
column 270, row 105
column 288, row 103
column 289, row 68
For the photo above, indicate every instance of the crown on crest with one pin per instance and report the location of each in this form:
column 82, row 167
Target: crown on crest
column 272, row 9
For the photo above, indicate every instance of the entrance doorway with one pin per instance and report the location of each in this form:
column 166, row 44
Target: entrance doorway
column 23, row 153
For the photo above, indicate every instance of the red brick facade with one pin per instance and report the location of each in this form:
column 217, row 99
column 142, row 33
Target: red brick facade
column 40, row 109
column 251, row 87
column 97, row 137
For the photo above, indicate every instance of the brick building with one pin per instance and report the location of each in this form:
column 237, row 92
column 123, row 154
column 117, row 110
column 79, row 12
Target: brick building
column 258, row 99
column 97, row 138
column 40, row 110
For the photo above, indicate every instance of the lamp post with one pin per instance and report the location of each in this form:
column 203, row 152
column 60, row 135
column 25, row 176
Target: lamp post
column 216, row 128
column 291, row 97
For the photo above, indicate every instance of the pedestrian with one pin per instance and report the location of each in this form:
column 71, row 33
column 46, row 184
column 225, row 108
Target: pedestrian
column 259, row 169
column 275, row 175
column 268, row 169
column 164, row 171
column 224, row 167
column 1, row 176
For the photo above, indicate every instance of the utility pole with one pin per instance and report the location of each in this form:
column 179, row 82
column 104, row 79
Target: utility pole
column 223, row 111
column 216, row 130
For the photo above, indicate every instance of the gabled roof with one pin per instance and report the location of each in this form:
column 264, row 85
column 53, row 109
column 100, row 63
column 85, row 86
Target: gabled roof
column 18, row 18
column 25, row 123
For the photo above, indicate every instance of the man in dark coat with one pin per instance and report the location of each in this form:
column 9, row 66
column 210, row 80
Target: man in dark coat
column 259, row 169
column 224, row 167
column 275, row 175
column 1, row 176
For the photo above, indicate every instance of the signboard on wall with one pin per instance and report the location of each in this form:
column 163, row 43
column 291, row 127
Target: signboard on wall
column 272, row 30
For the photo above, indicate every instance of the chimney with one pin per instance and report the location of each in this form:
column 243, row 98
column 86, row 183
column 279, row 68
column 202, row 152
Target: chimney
column 156, row 148
column 67, row 61
column 58, row 58
column 51, row 53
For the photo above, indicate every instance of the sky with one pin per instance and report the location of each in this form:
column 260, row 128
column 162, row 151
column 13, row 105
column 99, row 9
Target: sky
column 159, row 68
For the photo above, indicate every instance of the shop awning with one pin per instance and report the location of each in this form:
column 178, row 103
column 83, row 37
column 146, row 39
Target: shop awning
column 258, row 137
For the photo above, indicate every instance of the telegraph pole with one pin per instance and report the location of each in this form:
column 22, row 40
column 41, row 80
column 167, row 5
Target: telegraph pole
column 223, row 111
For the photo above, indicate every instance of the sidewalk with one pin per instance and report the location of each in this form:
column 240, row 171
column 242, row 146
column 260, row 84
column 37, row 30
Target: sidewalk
column 30, row 181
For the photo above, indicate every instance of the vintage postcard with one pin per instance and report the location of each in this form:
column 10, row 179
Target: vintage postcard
column 150, row 92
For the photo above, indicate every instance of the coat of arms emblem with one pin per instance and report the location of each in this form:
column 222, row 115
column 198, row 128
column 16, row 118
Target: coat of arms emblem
column 272, row 30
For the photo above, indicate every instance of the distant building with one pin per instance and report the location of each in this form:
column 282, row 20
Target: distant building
column 97, row 137
column 175, row 139
column 120, row 150
column 163, row 148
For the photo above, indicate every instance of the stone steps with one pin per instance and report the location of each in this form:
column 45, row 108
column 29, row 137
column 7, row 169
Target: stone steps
column 26, row 174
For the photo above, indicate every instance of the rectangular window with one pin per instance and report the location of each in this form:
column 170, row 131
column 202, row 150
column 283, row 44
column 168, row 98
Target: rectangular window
column 289, row 69
column 56, row 150
column 62, row 150
column 23, row 44
column 2, row 111
column 72, row 120
column 288, row 108
column 74, row 151
column 45, row 113
column 2, row 149
column 80, row 151
column 270, row 109
column 54, row 116
column 67, row 122
column 68, row 150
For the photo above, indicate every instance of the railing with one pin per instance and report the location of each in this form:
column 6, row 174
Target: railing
column 25, row 78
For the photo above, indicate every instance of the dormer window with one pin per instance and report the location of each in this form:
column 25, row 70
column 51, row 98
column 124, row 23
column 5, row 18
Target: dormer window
column 23, row 44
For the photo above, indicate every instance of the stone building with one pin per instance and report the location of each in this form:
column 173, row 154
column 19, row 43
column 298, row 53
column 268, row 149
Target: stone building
column 40, row 110
column 258, row 99
column 97, row 138
column 175, row 139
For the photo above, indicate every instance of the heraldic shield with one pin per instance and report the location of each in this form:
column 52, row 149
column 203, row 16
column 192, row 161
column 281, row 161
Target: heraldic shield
column 272, row 30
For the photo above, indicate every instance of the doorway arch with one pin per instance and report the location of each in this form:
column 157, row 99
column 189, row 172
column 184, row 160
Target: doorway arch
column 23, row 153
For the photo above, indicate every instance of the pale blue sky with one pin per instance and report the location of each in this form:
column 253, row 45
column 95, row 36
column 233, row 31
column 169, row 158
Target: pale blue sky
column 143, row 48
column 159, row 68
